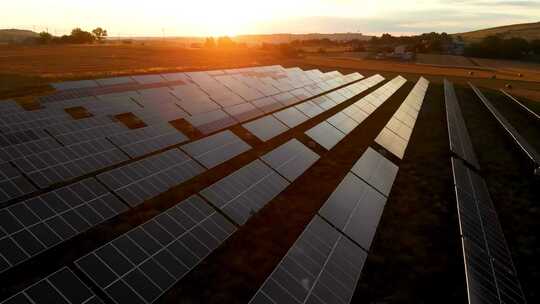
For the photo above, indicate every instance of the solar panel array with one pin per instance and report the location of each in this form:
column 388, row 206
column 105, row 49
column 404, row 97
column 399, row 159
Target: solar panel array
column 325, row 262
column 396, row 134
column 460, row 142
column 142, row 264
column 216, row 149
column 491, row 276
column 40, row 223
column 523, row 144
column 270, row 126
column 330, row 132
column 322, row 266
column 62, row 287
column 147, row 178
column 149, row 139
column 12, row 183
column 51, row 146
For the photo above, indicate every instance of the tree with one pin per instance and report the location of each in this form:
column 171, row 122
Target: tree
column 45, row 38
column 99, row 33
column 80, row 36
column 210, row 43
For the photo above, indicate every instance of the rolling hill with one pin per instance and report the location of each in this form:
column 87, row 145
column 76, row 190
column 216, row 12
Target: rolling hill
column 14, row 35
column 529, row 31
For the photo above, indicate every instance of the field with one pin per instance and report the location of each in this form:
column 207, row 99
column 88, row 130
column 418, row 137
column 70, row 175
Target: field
column 416, row 256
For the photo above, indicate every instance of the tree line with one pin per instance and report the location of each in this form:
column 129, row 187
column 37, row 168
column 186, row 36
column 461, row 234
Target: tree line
column 77, row 36
column 501, row 48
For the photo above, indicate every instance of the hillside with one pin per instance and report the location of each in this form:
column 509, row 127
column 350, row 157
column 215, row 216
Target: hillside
column 529, row 31
column 13, row 35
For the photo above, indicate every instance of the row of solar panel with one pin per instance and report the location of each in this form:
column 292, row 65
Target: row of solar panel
column 397, row 132
column 145, row 79
column 270, row 126
column 490, row 273
column 460, row 142
column 522, row 143
column 331, row 131
column 325, row 263
column 491, row 276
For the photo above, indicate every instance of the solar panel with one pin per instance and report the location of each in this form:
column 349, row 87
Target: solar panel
column 291, row 117
column 12, row 152
column 291, row 159
column 376, row 170
column 225, row 98
column 150, row 139
column 246, row 191
column 309, row 108
column 521, row 104
column 78, row 125
column 342, row 122
column 155, row 96
column 355, row 113
column 62, row 286
column 198, row 106
column 142, row 264
column 460, row 142
column 211, row 121
column 32, row 120
column 322, row 266
column 356, row 209
column 21, row 137
column 336, row 97
column 92, row 133
column 301, row 93
column 265, row 128
column 216, row 149
column 42, row 222
column 267, row 104
column 12, row 183
column 160, row 113
column 286, row 98
column 66, row 163
column 142, row 180
column 243, row 112
column 325, row 135
column 324, row 102
column 392, row 142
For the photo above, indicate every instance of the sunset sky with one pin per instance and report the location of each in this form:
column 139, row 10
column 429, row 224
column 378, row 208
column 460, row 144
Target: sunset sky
column 232, row 17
